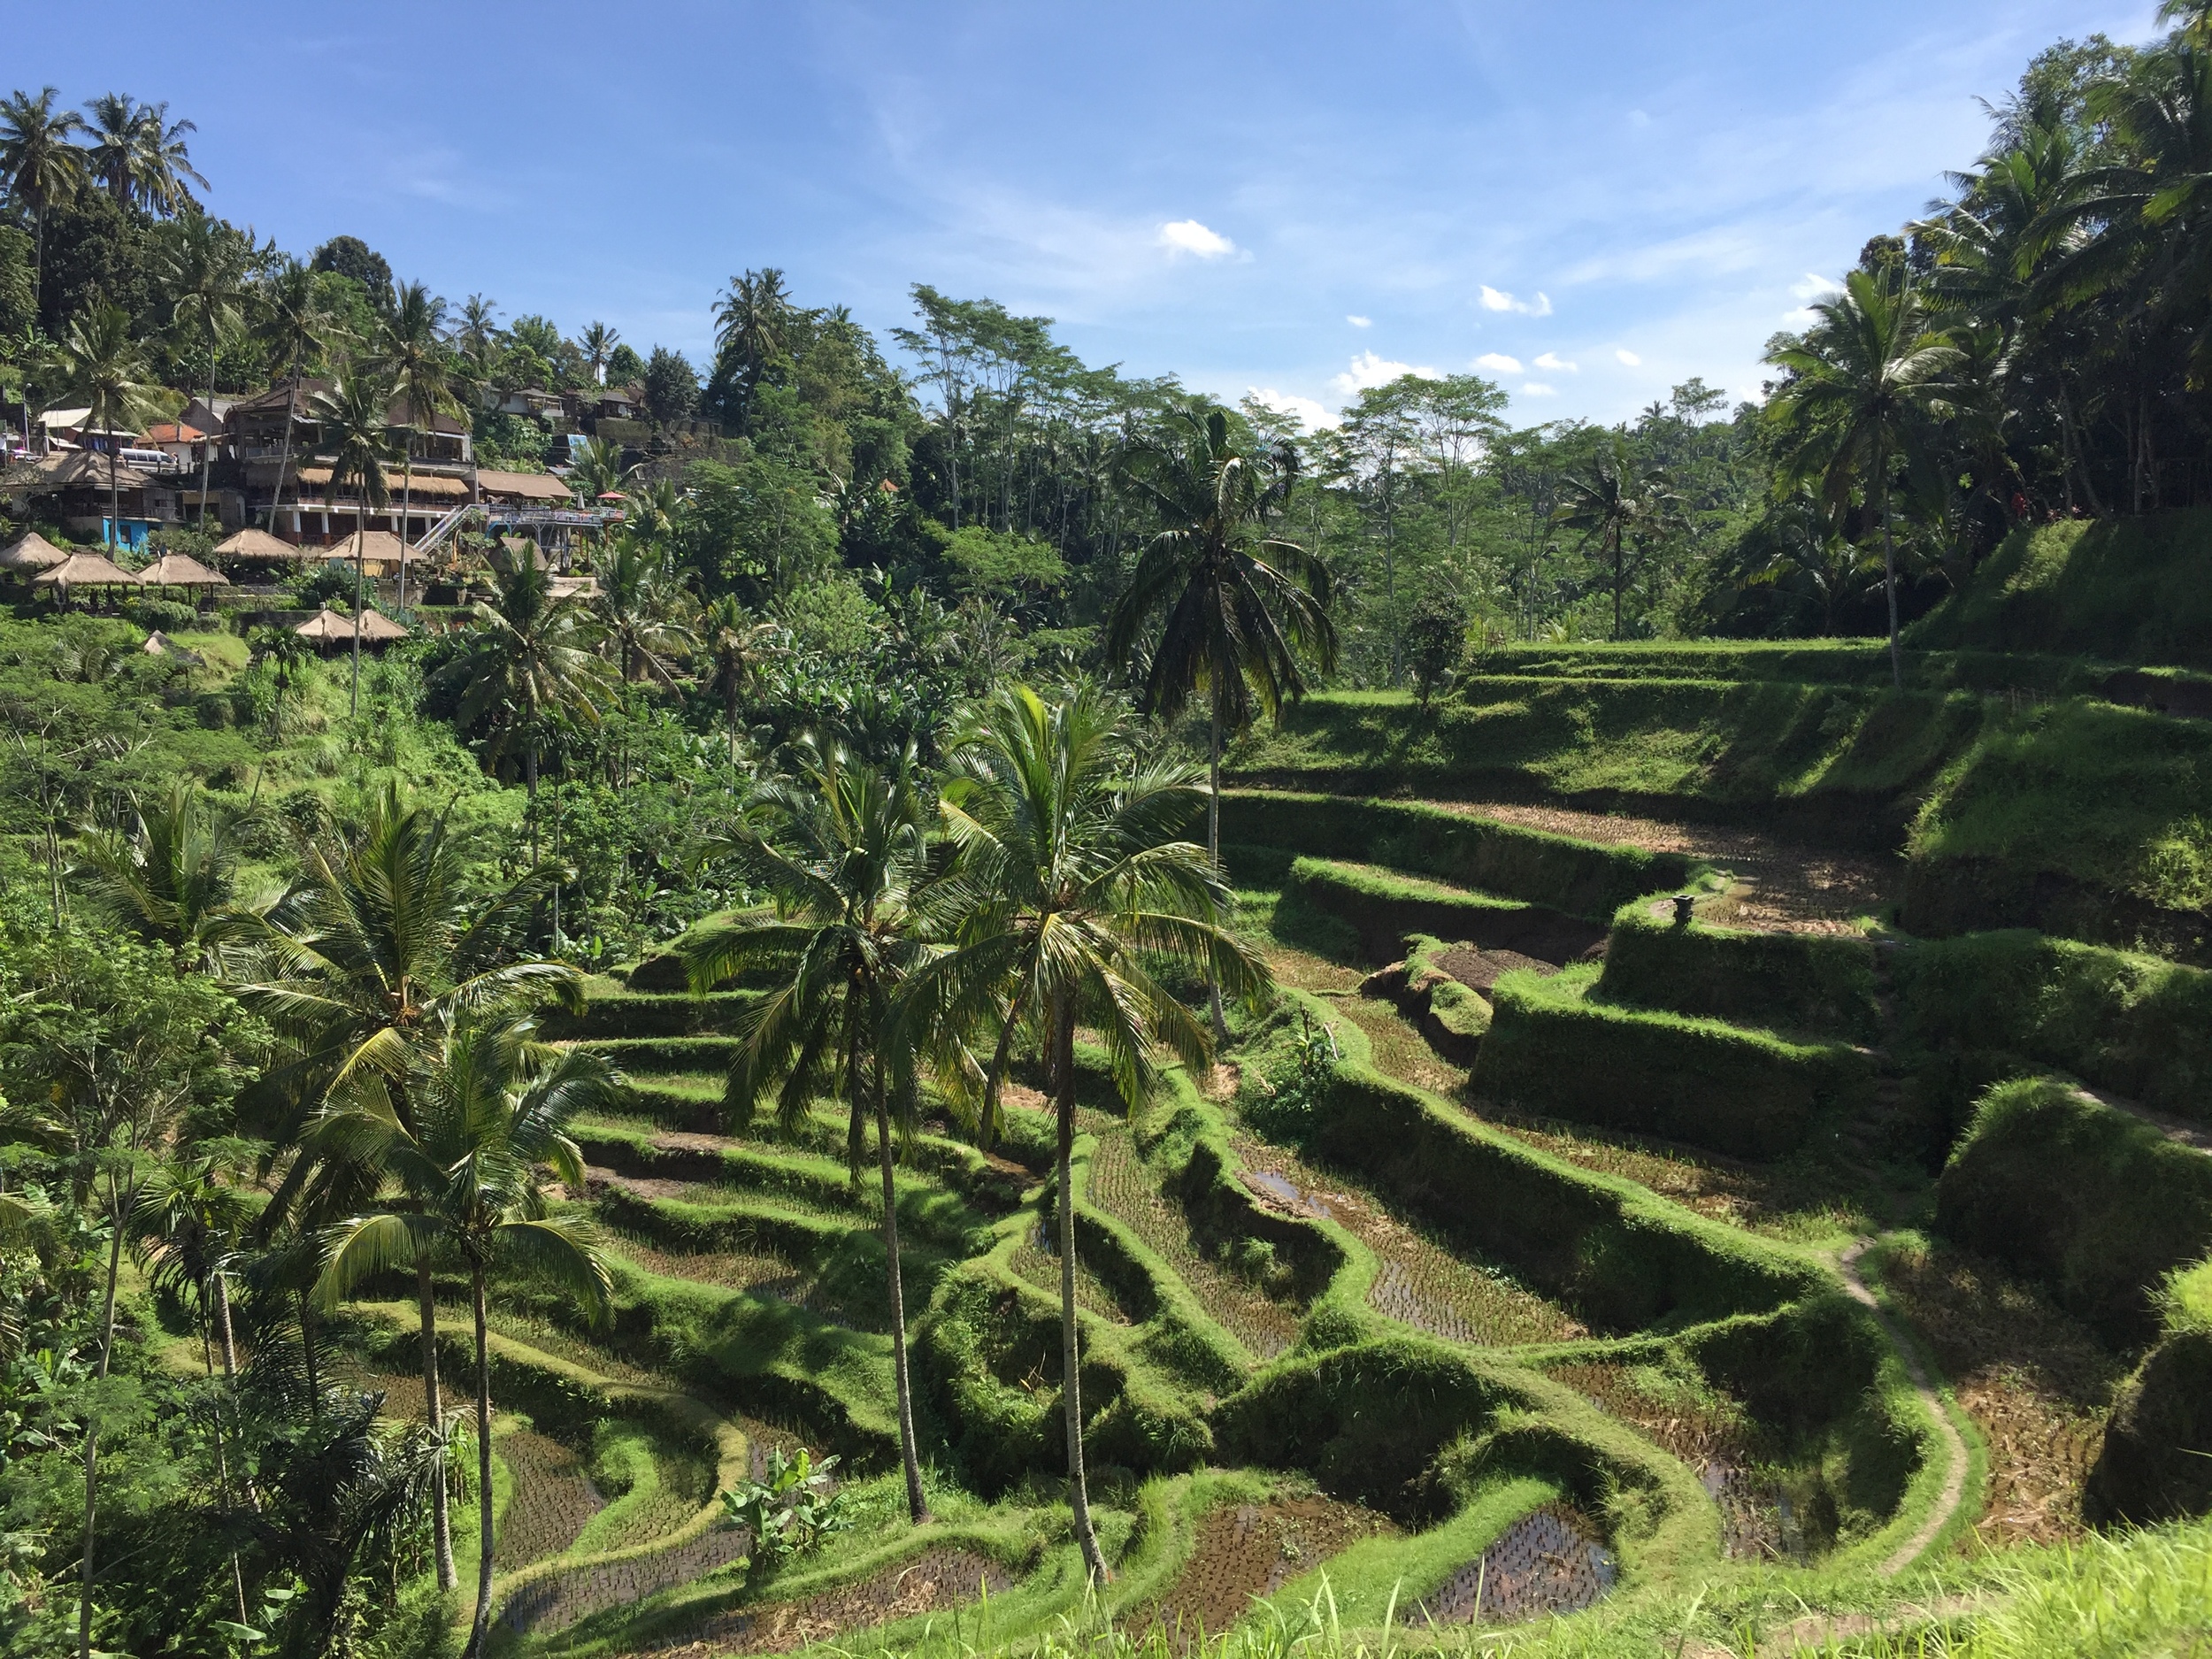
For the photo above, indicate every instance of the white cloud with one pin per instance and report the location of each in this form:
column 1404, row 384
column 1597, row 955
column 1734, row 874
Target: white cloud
column 1367, row 370
column 1308, row 412
column 1187, row 235
column 1498, row 363
column 1812, row 285
column 1493, row 300
column 1557, row 364
column 1361, row 322
column 1625, row 354
column 1537, row 389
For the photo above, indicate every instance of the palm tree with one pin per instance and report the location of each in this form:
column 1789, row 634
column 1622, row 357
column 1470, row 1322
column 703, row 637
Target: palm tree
column 204, row 269
column 286, row 654
column 1073, row 878
column 490, row 1107
column 39, row 166
column 640, row 608
column 478, row 328
column 412, row 354
column 736, row 643
column 377, row 943
column 139, row 155
column 1614, row 503
column 356, row 433
column 752, row 324
column 529, row 660
column 99, row 362
column 596, row 467
column 297, row 325
column 1865, row 384
column 848, row 861
column 597, row 345
column 1239, row 604
column 169, row 877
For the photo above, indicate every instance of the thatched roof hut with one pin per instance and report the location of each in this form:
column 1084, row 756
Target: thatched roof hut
column 84, row 569
column 178, row 570
column 31, row 552
column 259, row 547
column 328, row 627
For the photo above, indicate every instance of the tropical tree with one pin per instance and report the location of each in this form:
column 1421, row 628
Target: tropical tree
column 596, row 467
column 168, row 877
column 100, row 362
column 597, row 344
column 736, row 644
column 529, row 661
column 489, row 1107
column 752, row 328
column 640, row 607
column 411, row 354
column 357, row 437
column 287, row 655
column 139, row 155
column 295, row 327
column 39, row 167
column 1237, row 605
column 204, row 269
column 378, row 942
column 478, row 328
column 1073, row 879
column 1866, row 384
column 845, row 856
column 1618, row 505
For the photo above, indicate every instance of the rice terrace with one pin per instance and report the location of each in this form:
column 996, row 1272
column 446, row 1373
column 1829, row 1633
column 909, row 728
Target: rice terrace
column 887, row 981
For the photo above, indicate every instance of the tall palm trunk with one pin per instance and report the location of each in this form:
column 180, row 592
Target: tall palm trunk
column 406, row 499
column 433, row 1409
column 228, row 1339
column 917, row 1505
column 207, row 442
column 1071, row 1359
column 1213, row 851
column 360, row 565
column 115, row 496
column 222, row 1465
column 284, row 453
column 1889, row 572
column 481, row 1628
column 117, row 1209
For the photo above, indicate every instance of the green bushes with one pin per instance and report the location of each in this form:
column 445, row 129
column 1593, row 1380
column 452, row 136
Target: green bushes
column 2131, row 1024
column 2097, row 1205
column 1581, row 878
column 665, row 1054
column 2156, row 1461
column 2135, row 590
column 1805, row 982
column 1555, row 1051
column 1382, row 907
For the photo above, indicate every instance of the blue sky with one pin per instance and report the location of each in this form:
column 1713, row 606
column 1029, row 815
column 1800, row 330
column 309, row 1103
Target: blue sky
column 1589, row 202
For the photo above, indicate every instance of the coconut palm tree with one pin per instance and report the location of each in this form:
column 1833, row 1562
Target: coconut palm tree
column 295, row 327
column 846, row 854
column 139, row 155
column 40, row 168
column 168, row 879
column 596, row 467
column 377, row 942
column 1073, row 879
column 1238, row 606
column 204, row 269
column 287, row 655
column 1615, row 503
column 597, row 344
column 99, row 362
column 490, row 1107
column 640, row 607
column 411, row 354
column 529, row 661
column 736, row 643
column 1865, row 386
column 357, row 436
column 478, row 328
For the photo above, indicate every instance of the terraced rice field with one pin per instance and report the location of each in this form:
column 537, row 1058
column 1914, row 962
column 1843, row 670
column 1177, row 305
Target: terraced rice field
column 1549, row 1562
column 936, row 1582
column 554, row 1498
column 1126, row 1189
column 1247, row 1550
column 1422, row 1283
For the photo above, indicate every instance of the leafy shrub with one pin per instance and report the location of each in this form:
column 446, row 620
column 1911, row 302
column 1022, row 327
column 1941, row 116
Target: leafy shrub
column 329, row 582
column 167, row 616
column 795, row 1511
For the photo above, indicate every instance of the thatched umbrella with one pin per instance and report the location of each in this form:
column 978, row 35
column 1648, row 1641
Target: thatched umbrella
column 84, row 569
column 252, row 546
column 328, row 627
column 178, row 570
column 31, row 552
